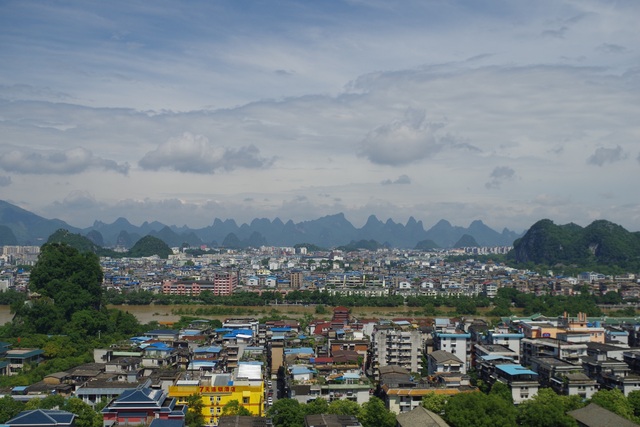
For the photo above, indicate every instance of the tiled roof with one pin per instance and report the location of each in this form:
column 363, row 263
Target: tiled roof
column 42, row 417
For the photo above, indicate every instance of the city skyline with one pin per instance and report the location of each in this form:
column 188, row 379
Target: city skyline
column 502, row 111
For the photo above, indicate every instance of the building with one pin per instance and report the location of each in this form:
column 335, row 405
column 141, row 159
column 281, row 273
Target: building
column 593, row 415
column 222, row 283
column 420, row 417
column 142, row 405
column 245, row 385
column 522, row 382
column 396, row 346
column 441, row 361
column 331, row 420
column 458, row 343
column 42, row 418
column 18, row 358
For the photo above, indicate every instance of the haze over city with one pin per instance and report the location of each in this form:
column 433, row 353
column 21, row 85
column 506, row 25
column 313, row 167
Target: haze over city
column 504, row 111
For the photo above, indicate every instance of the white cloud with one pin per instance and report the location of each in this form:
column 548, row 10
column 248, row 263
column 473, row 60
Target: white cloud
column 499, row 175
column 404, row 141
column 402, row 179
column 604, row 155
column 196, row 154
column 5, row 180
column 62, row 162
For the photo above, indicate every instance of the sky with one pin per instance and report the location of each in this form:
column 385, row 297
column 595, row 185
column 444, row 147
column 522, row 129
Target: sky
column 506, row 111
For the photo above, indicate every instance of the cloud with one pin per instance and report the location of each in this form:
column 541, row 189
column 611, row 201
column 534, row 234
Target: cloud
column 196, row 154
column 402, row 179
column 604, row 155
column 612, row 48
column 556, row 33
column 5, row 180
column 62, row 162
column 401, row 142
column 499, row 175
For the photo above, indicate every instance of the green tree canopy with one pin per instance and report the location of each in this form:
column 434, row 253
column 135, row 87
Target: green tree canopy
column 233, row 407
column 194, row 417
column 546, row 409
column 286, row 413
column 344, row 407
column 375, row 414
column 614, row 401
column 477, row 409
column 435, row 402
column 71, row 278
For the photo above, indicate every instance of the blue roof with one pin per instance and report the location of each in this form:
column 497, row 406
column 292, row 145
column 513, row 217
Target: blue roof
column 158, row 346
column 495, row 357
column 235, row 332
column 42, row 417
column 210, row 349
column 299, row 350
column 516, row 370
column 507, row 335
column 282, row 329
column 158, row 422
column 196, row 364
column 301, row 370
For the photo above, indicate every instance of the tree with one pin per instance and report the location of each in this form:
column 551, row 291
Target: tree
column 62, row 269
column 634, row 401
column 614, row 401
column 233, row 407
column 85, row 415
column 194, row 417
column 344, row 407
column 477, row 409
column 9, row 408
column 546, row 409
column 316, row 406
column 434, row 402
column 286, row 413
column 375, row 414
column 502, row 391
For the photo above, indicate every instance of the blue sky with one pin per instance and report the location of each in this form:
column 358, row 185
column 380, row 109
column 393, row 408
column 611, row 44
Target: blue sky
column 504, row 111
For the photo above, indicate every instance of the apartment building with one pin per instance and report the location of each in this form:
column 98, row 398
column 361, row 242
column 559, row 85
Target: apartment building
column 396, row 346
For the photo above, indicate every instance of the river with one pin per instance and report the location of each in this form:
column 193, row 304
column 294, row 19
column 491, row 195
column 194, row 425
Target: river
column 164, row 313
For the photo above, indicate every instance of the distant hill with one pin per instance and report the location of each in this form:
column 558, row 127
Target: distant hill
column 327, row 232
column 426, row 245
column 7, row 237
column 29, row 228
column 466, row 241
column 600, row 243
column 147, row 246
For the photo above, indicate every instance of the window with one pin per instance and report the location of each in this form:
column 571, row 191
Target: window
column 245, row 400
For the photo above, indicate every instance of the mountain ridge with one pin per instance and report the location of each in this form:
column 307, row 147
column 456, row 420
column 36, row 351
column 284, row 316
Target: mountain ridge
column 328, row 231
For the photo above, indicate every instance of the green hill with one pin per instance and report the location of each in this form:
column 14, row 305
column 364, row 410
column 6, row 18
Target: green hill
column 602, row 243
column 149, row 246
column 146, row 246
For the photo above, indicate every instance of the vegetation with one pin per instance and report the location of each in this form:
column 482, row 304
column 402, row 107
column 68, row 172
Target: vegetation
column 194, row 417
column 148, row 246
column 66, row 316
column 601, row 246
column 369, row 245
column 546, row 409
column 310, row 247
column 291, row 413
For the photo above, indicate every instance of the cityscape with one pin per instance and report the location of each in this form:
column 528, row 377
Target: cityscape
column 339, row 353
column 337, row 213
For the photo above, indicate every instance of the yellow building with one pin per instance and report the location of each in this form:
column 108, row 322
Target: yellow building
column 245, row 385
